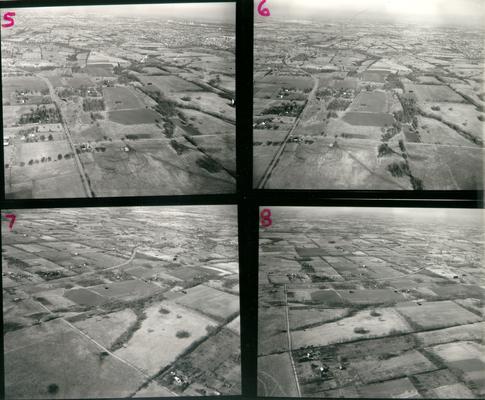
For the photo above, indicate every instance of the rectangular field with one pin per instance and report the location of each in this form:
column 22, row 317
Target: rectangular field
column 210, row 301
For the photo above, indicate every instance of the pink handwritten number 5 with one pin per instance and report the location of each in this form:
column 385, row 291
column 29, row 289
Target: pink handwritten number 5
column 264, row 12
column 12, row 219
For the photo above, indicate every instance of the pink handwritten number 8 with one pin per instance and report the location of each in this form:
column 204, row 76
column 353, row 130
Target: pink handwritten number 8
column 264, row 12
column 266, row 218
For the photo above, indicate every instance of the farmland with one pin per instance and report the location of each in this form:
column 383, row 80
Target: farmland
column 344, row 101
column 121, row 302
column 110, row 100
column 371, row 302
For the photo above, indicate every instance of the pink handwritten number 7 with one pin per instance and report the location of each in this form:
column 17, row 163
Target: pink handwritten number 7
column 12, row 219
column 264, row 12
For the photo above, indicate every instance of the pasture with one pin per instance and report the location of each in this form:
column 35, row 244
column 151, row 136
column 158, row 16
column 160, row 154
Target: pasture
column 434, row 131
column 175, row 173
column 371, row 296
column 207, row 102
column 78, row 81
column 397, row 388
column 368, row 119
column 434, row 93
column 128, row 290
column 206, row 124
column 303, row 317
column 10, row 84
column 408, row 363
column 170, row 83
column 464, row 116
column 353, row 164
column 85, row 297
column 155, row 344
column 373, row 102
column 471, row 332
column 275, row 376
column 117, row 98
column 448, row 167
column 209, row 301
column 440, row 314
column 105, row 329
column 296, row 82
column 50, row 179
column 79, row 373
column 272, row 337
column 213, row 364
column 343, row 330
column 134, row 117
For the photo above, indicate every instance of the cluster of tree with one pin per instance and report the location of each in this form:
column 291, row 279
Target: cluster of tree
column 399, row 169
column 402, row 169
column 72, row 57
column 164, row 106
column 135, row 66
column 215, row 81
column 169, row 127
column 339, row 104
column 93, row 104
column 44, row 159
column 266, row 123
column 29, row 138
column 300, row 57
column 118, row 69
column 393, row 81
column 290, row 109
column 308, row 268
column 410, row 110
column 384, row 150
column 81, row 91
column 95, row 116
column 333, row 92
column 40, row 114
column 391, row 131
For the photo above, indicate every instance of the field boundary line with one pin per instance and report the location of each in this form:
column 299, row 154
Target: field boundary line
column 290, row 346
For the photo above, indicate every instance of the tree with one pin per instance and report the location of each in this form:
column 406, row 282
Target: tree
column 182, row 334
column 59, row 156
column 53, row 388
column 50, row 137
column 42, row 137
column 383, row 150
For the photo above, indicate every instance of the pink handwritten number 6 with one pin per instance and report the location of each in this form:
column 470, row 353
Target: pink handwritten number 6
column 263, row 11
column 266, row 218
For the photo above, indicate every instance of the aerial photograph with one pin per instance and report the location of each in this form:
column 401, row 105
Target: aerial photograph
column 120, row 100
column 121, row 302
column 371, row 303
column 369, row 95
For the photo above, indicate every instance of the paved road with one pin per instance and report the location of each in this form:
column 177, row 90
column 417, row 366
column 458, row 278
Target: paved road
column 277, row 156
column 57, row 102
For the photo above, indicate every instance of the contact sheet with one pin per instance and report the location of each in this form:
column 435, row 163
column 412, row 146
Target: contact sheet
column 242, row 199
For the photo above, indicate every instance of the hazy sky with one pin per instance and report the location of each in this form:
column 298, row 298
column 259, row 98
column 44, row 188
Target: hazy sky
column 439, row 216
column 432, row 11
column 223, row 12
